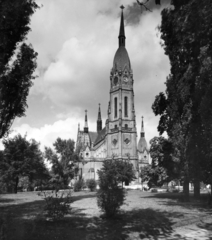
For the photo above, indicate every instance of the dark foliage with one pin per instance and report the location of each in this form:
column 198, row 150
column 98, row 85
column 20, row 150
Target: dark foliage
column 185, row 112
column 91, row 184
column 79, row 185
column 64, row 162
column 17, row 60
column 111, row 196
column 57, row 204
column 21, row 158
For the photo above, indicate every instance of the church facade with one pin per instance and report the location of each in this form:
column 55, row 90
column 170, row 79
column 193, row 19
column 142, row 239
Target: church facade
column 118, row 138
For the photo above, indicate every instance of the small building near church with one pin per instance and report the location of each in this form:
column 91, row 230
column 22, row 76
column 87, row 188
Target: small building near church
column 118, row 138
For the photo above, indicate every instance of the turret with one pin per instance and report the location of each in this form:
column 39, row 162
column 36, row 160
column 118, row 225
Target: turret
column 86, row 123
column 142, row 128
column 142, row 144
column 99, row 120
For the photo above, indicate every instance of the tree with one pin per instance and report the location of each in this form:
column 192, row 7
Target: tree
column 63, row 160
column 187, row 32
column 123, row 171
column 153, row 175
column 17, row 60
column 144, row 4
column 21, row 158
column 110, row 196
column 164, row 167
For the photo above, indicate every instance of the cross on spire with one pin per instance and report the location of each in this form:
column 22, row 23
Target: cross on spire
column 122, row 7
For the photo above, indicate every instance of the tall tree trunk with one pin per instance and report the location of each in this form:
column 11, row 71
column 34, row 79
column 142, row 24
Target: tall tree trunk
column 196, row 188
column 16, row 185
column 210, row 194
column 186, row 189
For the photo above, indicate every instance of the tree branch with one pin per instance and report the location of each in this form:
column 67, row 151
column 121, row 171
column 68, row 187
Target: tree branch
column 144, row 5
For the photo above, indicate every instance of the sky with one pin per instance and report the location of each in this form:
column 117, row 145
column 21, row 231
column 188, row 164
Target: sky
column 76, row 42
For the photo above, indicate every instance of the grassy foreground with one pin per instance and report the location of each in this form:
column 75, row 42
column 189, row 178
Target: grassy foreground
column 144, row 216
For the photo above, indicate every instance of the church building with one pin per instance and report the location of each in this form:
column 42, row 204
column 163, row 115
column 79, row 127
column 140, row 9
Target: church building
column 118, row 138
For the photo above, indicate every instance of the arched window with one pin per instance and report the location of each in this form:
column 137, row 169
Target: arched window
column 125, row 107
column 115, row 107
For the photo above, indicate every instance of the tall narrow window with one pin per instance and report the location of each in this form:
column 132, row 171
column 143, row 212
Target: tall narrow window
column 125, row 107
column 115, row 107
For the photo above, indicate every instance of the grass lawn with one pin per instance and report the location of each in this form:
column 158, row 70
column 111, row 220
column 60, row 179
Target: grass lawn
column 144, row 216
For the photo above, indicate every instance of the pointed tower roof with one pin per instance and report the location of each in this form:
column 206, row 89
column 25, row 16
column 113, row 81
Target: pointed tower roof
column 121, row 31
column 86, row 122
column 121, row 59
column 142, row 144
column 142, row 127
column 99, row 113
column 99, row 120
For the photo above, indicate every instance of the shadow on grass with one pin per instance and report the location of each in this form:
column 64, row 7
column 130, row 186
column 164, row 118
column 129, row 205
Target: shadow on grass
column 25, row 221
column 6, row 200
column 177, row 199
column 207, row 226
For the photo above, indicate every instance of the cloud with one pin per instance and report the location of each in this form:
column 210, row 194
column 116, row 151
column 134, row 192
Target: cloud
column 67, row 129
column 46, row 135
column 82, row 66
column 76, row 42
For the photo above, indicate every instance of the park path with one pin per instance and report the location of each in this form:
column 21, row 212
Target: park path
column 199, row 231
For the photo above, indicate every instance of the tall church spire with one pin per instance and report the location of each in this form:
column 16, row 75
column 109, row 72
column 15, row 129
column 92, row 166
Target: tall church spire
column 142, row 127
column 121, row 31
column 99, row 120
column 86, row 122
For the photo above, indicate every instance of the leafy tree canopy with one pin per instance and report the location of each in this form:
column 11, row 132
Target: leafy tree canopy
column 63, row 161
column 21, row 158
column 17, row 60
column 114, row 172
column 185, row 107
column 164, row 167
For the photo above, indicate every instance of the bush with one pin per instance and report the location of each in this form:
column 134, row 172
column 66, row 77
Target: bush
column 110, row 197
column 154, row 190
column 91, row 184
column 57, row 204
column 110, row 200
column 79, row 185
column 3, row 187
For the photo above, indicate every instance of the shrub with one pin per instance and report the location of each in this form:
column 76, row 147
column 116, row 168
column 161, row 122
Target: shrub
column 110, row 200
column 153, row 190
column 91, row 184
column 79, row 185
column 176, row 191
column 3, row 187
column 57, row 204
column 3, row 227
column 110, row 197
